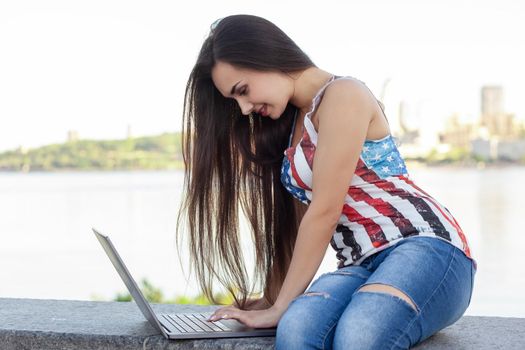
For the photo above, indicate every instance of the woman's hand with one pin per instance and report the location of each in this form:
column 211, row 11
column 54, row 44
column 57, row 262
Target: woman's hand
column 252, row 318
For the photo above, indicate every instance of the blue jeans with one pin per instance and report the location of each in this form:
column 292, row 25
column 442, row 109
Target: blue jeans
column 437, row 276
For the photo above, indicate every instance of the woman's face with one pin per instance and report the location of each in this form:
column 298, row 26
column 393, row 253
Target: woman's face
column 266, row 93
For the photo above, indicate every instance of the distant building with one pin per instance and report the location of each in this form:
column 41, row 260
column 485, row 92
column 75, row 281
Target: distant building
column 496, row 134
column 458, row 133
column 405, row 133
column 498, row 123
column 495, row 149
column 128, row 132
column 408, row 138
column 22, row 150
column 72, row 136
column 491, row 100
column 485, row 149
column 511, row 150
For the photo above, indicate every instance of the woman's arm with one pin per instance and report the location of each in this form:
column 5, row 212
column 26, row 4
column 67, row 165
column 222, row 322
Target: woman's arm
column 344, row 115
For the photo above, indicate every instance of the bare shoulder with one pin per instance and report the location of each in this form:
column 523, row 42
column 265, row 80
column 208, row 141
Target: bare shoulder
column 347, row 94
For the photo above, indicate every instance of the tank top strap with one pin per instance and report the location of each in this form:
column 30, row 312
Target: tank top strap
column 317, row 98
column 293, row 129
column 315, row 102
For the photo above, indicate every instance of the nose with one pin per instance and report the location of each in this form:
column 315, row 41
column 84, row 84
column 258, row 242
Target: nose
column 246, row 107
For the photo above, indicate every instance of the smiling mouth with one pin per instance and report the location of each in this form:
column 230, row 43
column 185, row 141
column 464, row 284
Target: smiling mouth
column 263, row 110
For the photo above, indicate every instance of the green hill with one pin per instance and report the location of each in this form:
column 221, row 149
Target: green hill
column 150, row 152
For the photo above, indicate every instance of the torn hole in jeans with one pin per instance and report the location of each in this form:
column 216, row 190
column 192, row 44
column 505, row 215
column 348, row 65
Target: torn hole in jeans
column 403, row 297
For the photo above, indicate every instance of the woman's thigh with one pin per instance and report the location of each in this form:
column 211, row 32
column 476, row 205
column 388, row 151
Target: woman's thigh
column 435, row 275
column 310, row 319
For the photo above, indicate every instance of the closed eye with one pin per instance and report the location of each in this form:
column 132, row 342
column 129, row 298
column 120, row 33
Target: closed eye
column 243, row 92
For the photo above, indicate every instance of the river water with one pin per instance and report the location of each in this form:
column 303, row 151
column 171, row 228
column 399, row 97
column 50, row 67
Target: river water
column 47, row 249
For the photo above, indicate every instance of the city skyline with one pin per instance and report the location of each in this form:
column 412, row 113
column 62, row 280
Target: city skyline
column 493, row 124
column 98, row 67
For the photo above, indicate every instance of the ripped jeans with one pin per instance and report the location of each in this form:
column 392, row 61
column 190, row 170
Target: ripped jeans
column 334, row 314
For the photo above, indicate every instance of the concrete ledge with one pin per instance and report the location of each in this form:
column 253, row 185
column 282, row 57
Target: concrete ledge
column 67, row 324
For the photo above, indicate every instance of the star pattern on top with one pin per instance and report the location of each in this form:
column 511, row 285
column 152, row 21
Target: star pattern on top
column 383, row 157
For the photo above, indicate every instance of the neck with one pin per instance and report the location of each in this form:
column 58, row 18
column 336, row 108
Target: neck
column 307, row 84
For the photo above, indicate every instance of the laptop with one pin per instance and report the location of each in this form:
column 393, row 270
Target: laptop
column 179, row 325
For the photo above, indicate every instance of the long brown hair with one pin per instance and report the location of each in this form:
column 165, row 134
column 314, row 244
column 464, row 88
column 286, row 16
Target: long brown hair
column 233, row 160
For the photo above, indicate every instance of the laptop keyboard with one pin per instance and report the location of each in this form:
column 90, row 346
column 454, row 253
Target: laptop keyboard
column 195, row 322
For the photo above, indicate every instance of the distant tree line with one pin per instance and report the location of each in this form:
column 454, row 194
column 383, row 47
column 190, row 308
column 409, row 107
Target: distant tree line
column 150, row 152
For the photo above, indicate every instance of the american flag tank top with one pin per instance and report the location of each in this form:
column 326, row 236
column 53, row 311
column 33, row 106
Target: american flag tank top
column 382, row 205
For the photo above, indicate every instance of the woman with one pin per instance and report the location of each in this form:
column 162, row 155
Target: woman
column 309, row 158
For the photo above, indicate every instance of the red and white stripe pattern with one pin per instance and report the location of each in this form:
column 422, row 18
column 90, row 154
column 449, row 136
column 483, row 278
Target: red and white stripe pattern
column 382, row 205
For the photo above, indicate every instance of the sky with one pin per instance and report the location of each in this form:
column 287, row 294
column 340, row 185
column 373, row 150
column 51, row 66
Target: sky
column 97, row 67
